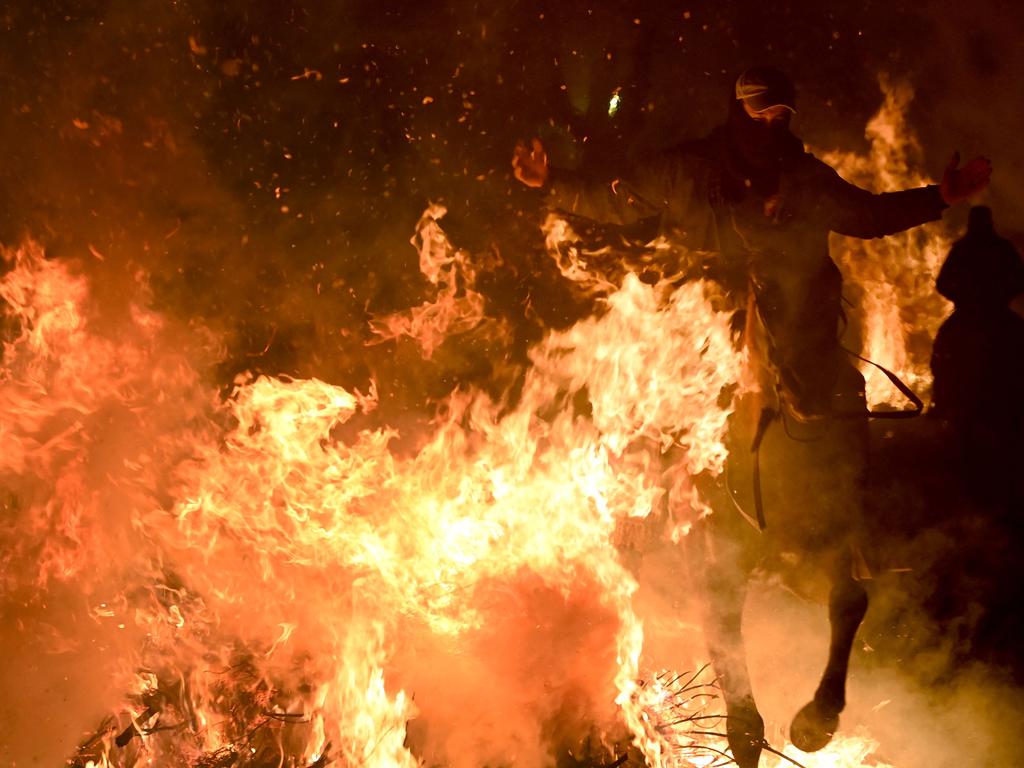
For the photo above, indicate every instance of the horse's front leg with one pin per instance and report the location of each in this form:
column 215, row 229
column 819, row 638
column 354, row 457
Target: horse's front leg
column 815, row 724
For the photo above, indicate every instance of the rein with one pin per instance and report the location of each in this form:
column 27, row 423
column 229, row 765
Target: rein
column 902, row 386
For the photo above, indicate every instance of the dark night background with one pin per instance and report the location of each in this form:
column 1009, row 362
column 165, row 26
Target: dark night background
column 266, row 162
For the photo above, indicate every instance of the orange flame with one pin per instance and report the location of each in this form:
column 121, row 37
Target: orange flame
column 458, row 307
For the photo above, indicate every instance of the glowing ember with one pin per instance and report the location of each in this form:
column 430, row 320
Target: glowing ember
column 678, row 717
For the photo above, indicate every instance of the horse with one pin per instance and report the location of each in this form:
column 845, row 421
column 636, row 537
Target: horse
column 793, row 485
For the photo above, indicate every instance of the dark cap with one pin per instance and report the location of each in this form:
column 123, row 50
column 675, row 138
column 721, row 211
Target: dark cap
column 762, row 88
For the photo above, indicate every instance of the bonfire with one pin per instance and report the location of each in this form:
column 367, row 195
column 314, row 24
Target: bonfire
column 294, row 583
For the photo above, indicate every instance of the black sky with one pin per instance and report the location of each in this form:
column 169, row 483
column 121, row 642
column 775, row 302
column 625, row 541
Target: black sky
column 265, row 163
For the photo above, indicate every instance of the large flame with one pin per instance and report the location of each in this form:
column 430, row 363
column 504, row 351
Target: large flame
column 306, row 589
column 89, row 423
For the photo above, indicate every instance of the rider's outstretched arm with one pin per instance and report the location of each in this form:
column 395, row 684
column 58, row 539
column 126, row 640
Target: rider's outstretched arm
column 651, row 189
column 662, row 185
column 859, row 213
column 856, row 212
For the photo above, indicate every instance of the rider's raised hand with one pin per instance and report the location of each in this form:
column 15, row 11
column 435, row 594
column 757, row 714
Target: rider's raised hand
column 958, row 184
column 530, row 163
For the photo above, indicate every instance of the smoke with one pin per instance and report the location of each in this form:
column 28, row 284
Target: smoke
column 535, row 673
column 921, row 711
column 967, row 92
column 100, row 403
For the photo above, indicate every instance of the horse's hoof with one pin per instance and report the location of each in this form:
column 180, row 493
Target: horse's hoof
column 744, row 731
column 813, row 727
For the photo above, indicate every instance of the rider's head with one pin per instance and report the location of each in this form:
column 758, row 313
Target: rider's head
column 764, row 100
column 979, row 220
column 766, row 94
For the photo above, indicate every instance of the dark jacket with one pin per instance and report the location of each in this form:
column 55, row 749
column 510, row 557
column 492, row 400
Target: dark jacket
column 769, row 231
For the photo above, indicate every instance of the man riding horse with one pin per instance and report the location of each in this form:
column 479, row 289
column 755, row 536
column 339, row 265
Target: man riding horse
column 750, row 194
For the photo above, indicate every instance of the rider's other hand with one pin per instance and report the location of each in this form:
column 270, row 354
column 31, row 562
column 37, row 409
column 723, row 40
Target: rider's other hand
column 530, row 163
column 958, row 184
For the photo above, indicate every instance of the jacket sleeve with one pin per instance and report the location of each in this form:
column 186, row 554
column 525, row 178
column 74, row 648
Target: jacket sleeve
column 664, row 186
column 856, row 212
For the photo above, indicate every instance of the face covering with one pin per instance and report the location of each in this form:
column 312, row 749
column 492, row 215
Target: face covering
column 760, row 147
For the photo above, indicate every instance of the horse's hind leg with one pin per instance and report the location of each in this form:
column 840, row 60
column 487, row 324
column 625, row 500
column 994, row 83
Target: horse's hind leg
column 725, row 587
column 744, row 726
column 815, row 724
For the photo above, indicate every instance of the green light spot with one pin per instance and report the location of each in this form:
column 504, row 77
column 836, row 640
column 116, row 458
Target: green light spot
column 614, row 102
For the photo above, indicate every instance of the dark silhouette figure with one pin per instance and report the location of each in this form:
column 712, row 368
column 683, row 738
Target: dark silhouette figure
column 978, row 359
